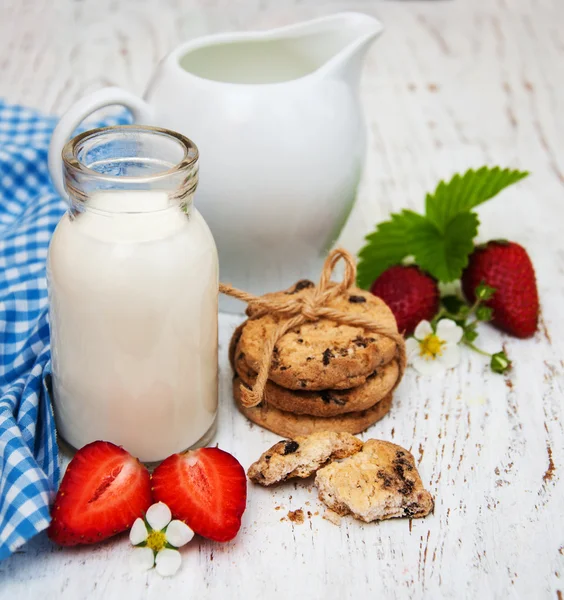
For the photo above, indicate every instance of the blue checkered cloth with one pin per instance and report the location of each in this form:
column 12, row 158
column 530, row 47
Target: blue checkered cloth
column 29, row 212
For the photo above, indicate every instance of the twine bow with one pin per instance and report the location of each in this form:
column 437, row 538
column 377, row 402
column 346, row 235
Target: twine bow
column 309, row 306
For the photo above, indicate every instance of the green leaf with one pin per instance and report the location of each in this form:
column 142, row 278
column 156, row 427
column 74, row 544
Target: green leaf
column 500, row 363
column 443, row 254
column 464, row 192
column 484, row 292
column 484, row 313
column 470, row 334
column 387, row 246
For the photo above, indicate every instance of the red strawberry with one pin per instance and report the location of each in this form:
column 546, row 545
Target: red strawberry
column 411, row 294
column 505, row 266
column 103, row 491
column 205, row 488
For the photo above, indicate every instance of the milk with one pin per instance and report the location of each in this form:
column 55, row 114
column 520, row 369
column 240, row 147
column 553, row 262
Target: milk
column 133, row 316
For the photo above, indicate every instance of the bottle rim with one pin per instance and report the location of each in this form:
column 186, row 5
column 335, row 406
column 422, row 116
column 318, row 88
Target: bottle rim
column 74, row 165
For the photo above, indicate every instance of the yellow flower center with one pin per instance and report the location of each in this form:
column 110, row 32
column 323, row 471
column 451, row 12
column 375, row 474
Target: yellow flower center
column 156, row 540
column 431, row 346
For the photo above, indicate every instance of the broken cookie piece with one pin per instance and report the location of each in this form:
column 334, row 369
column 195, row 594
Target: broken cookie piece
column 379, row 482
column 302, row 456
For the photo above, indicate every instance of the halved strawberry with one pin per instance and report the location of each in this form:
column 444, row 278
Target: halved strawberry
column 205, row 488
column 103, row 491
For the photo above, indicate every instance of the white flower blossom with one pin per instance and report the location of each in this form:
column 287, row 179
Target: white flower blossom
column 156, row 539
column 431, row 352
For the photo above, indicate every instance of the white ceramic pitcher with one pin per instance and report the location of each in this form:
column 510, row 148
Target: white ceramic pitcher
column 277, row 119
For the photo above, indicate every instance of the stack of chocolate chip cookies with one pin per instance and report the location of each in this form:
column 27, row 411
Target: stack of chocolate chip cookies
column 324, row 376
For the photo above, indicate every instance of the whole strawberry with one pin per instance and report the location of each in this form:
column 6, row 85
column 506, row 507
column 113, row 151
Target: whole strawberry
column 505, row 266
column 411, row 294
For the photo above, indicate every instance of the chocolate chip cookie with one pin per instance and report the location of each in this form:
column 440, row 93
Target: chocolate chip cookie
column 324, row 403
column 290, row 425
column 302, row 456
column 323, row 354
column 379, row 482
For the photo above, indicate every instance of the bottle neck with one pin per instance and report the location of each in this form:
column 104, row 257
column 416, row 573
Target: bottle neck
column 130, row 170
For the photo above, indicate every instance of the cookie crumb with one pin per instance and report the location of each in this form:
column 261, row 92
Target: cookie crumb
column 296, row 516
column 277, row 507
column 357, row 299
column 332, row 517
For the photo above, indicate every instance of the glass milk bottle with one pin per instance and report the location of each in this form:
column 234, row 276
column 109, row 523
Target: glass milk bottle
column 133, row 288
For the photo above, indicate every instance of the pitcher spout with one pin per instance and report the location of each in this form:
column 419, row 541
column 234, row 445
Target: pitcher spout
column 350, row 35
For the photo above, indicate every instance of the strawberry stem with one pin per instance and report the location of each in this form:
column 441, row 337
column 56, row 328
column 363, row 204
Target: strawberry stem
column 468, row 318
column 476, row 349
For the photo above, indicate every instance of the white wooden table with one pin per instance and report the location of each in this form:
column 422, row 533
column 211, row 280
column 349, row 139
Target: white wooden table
column 450, row 85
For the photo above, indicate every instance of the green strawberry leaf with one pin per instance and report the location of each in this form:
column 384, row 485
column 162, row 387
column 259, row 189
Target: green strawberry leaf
column 442, row 240
column 464, row 192
column 387, row 246
column 444, row 254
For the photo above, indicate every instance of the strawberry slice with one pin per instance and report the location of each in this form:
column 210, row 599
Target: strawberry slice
column 103, row 491
column 205, row 488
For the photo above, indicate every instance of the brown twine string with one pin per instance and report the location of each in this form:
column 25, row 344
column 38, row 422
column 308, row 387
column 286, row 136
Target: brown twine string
column 309, row 306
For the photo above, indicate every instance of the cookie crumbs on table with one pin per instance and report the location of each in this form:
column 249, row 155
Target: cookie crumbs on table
column 296, row 516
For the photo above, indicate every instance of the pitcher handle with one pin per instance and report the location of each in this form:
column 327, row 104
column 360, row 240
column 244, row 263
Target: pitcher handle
column 79, row 111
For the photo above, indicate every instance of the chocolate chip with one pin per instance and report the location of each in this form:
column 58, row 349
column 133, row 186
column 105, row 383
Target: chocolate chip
column 241, row 356
column 401, row 464
column 302, row 284
column 300, row 341
column 268, row 457
column 360, row 341
column 412, row 509
column 327, row 356
column 290, row 447
column 407, row 488
column 327, row 397
column 309, row 358
column 357, row 299
column 386, row 479
column 303, row 383
column 275, row 363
